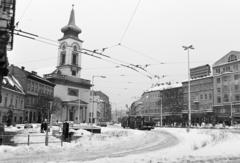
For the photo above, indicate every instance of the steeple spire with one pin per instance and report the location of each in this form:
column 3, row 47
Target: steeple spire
column 71, row 29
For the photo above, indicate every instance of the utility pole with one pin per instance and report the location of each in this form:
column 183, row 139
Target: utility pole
column 189, row 96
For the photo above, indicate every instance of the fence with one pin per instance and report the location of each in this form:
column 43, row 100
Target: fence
column 30, row 139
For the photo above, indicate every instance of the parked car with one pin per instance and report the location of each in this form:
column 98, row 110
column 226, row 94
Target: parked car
column 28, row 125
column 102, row 124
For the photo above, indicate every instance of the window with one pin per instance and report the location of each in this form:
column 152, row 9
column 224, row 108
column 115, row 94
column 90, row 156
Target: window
column 232, row 58
column 236, row 77
column 235, row 66
column 63, row 47
column 225, row 88
column 201, row 97
column 218, row 70
column 219, row 90
column 218, row 99
column 228, row 69
column 11, row 100
column 75, row 48
column 5, row 101
column 74, row 73
column 222, row 110
column 225, row 98
column 205, row 96
column 218, row 80
column 28, row 85
column 36, row 87
column 210, row 96
column 74, row 58
column 236, row 87
column 237, row 97
column 63, row 58
column 16, row 101
column 226, row 78
column 32, row 86
column 72, row 92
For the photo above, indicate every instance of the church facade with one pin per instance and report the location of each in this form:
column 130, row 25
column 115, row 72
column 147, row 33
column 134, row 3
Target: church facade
column 73, row 91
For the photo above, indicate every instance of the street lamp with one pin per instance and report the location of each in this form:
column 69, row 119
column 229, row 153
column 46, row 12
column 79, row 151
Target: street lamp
column 94, row 76
column 161, row 117
column 189, row 97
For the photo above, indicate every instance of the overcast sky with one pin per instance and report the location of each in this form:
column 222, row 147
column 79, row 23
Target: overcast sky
column 156, row 35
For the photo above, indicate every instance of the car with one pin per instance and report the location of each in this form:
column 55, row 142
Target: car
column 28, row 125
column 102, row 124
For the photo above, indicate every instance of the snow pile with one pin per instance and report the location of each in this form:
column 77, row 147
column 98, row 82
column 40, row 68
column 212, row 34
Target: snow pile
column 80, row 132
column 197, row 145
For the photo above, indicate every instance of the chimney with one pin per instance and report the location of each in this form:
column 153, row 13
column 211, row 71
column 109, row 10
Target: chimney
column 23, row 68
column 34, row 72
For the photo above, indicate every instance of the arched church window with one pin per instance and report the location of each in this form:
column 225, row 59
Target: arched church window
column 75, row 48
column 74, row 58
column 63, row 47
column 63, row 58
column 232, row 58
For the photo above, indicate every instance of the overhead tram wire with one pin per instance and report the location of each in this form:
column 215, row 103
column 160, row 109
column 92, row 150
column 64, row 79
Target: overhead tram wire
column 130, row 66
column 23, row 13
column 130, row 21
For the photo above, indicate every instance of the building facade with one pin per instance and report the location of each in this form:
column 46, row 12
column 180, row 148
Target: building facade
column 151, row 103
column 172, row 104
column 12, row 105
column 226, row 79
column 104, row 107
column 38, row 94
column 70, row 88
column 201, row 91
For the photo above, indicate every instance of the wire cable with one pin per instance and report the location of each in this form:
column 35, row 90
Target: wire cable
column 23, row 13
column 129, row 22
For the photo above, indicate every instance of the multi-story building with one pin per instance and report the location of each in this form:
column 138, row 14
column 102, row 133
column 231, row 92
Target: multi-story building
column 172, row 104
column 70, row 88
column 104, row 106
column 226, row 81
column 165, row 99
column 151, row 103
column 12, row 105
column 201, row 92
column 136, row 108
column 38, row 94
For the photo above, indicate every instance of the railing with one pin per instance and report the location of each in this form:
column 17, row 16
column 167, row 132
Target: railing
column 30, row 139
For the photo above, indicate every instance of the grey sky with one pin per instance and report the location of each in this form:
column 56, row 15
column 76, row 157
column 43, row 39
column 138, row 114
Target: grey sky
column 158, row 31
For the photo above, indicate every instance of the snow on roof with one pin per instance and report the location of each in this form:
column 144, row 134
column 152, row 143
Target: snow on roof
column 12, row 83
column 205, row 77
column 164, row 86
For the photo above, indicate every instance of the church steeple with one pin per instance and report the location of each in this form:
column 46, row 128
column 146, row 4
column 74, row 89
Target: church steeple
column 69, row 56
column 71, row 29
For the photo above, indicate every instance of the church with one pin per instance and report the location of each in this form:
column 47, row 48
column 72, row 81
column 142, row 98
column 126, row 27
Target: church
column 73, row 91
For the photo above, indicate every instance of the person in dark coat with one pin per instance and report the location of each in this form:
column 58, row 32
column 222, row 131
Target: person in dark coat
column 65, row 130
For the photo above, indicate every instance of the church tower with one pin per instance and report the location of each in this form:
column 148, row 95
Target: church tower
column 69, row 56
column 73, row 90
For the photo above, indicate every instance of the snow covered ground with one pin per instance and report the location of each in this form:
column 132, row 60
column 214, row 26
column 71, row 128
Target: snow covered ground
column 131, row 146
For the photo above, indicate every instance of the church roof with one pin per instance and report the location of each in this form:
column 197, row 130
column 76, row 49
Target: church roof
column 78, row 101
column 71, row 29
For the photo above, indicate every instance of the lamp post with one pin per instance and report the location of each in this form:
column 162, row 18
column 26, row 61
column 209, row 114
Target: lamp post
column 161, row 117
column 231, row 109
column 189, row 97
column 92, row 110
